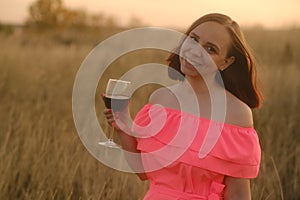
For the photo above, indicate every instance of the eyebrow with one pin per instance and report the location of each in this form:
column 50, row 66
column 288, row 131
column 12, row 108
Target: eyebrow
column 209, row 43
column 195, row 35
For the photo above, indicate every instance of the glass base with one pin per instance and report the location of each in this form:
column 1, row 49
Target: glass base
column 110, row 143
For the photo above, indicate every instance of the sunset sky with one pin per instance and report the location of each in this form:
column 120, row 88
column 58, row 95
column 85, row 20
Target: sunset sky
column 174, row 13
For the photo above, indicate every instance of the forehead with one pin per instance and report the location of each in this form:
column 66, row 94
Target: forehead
column 213, row 32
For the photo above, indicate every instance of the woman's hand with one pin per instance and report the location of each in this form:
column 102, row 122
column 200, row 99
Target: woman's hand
column 109, row 116
column 119, row 120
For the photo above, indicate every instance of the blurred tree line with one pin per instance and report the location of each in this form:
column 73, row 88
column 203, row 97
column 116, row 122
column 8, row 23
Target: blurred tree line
column 54, row 14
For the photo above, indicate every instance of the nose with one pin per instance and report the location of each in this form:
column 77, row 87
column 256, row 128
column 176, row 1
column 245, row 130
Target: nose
column 192, row 47
column 196, row 51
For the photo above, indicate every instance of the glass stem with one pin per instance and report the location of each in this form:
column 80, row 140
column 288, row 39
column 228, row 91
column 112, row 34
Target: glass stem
column 111, row 133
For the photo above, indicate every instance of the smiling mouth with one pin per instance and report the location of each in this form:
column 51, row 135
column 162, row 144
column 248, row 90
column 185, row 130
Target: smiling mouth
column 189, row 64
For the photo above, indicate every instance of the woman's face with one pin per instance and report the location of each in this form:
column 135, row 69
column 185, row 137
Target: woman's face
column 211, row 54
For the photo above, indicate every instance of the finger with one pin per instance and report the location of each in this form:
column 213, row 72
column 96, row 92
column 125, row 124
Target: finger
column 109, row 116
column 107, row 111
column 110, row 121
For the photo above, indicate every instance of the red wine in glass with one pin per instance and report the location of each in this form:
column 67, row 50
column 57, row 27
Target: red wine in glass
column 116, row 103
column 116, row 98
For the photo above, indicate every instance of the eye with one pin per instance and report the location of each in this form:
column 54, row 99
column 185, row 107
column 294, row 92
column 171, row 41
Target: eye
column 211, row 50
column 194, row 38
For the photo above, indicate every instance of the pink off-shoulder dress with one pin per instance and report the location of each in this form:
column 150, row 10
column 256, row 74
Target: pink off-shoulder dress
column 170, row 142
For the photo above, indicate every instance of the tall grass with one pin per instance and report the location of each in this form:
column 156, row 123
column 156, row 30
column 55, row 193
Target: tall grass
column 42, row 156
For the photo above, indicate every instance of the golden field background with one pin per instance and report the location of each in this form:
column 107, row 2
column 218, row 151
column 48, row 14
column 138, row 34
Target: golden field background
column 42, row 156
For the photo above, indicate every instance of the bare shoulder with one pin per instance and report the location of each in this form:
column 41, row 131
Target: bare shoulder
column 238, row 113
column 164, row 96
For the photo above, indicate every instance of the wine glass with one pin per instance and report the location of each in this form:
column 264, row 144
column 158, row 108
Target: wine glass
column 116, row 97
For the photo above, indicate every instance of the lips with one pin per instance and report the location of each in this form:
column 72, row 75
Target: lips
column 190, row 63
column 187, row 64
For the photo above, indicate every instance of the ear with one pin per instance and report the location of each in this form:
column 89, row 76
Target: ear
column 227, row 62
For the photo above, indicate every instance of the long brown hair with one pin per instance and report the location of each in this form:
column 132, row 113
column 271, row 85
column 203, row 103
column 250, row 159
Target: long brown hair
column 240, row 77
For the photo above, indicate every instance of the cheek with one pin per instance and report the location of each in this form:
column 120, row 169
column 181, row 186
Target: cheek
column 217, row 60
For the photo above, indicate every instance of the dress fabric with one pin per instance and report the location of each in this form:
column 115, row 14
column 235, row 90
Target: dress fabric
column 170, row 142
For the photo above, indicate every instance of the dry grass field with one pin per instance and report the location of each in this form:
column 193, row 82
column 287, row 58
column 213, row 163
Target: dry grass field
column 42, row 156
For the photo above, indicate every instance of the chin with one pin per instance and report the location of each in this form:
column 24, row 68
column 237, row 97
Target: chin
column 189, row 72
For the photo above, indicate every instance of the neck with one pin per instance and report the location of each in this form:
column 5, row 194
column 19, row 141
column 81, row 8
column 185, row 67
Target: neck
column 202, row 86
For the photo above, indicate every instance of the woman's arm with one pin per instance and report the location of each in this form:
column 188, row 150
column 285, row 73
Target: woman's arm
column 128, row 142
column 237, row 189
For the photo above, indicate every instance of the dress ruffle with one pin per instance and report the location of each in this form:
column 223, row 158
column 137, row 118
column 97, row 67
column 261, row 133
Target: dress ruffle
column 167, row 136
column 163, row 193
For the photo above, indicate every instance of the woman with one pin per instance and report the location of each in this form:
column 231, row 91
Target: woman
column 225, row 170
